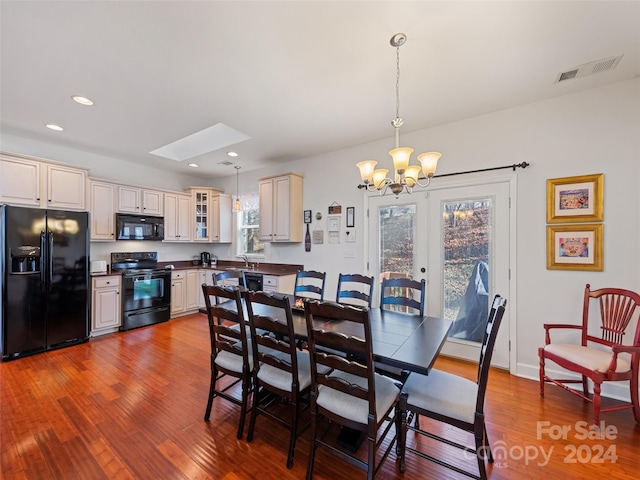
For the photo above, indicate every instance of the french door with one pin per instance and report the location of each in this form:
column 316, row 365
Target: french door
column 458, row 240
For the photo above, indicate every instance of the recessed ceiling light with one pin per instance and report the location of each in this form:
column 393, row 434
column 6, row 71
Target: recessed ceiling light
column 232, row 154
column 82, row 100
column 52, row 126
column 193, row 165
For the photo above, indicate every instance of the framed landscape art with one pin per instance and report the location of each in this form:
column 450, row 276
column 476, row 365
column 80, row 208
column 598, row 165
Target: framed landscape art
column 575, row 199
column 575, row 247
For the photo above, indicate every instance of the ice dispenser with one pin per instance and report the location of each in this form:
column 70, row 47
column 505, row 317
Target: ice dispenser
column 25, row 259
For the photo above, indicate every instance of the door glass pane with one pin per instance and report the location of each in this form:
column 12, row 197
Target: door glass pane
column 466, row 230
column 397, row 231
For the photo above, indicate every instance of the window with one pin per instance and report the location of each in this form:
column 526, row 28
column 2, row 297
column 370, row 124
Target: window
column 248, row 221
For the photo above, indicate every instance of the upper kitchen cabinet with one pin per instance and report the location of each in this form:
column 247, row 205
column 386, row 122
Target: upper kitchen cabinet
column 140, row 200
column 102, row 206
column 25, row 181
column 177, row 217
column 281, row 208
column 211, row 215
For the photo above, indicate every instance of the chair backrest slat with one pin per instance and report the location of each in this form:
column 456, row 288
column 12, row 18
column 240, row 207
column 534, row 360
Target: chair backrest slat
column 309, row 284
column 404, row 292
column 355, row 289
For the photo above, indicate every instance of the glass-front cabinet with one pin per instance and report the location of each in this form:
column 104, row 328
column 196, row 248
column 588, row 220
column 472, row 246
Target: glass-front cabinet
column 212, row 215
column 201, row 206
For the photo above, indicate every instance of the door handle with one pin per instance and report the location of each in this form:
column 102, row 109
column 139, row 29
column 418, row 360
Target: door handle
column 42, row 256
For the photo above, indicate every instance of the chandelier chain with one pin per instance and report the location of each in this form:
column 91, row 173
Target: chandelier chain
column 397, row 82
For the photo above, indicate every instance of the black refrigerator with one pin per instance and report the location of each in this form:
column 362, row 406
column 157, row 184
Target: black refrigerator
column 45, row 279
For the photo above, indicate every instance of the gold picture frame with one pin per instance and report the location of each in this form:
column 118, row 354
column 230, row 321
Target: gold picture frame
column 575, row 247
column 575, row 199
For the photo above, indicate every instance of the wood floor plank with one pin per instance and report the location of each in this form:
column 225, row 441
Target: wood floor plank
column 130, row 406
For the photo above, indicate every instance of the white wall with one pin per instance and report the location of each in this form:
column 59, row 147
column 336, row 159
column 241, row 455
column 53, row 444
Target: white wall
column 595, row 131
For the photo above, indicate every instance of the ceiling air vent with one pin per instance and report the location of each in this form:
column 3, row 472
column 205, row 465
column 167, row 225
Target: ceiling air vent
column 589, row 68
column 225, row 163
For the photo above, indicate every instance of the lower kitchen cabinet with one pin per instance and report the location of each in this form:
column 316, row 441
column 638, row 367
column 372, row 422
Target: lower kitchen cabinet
column 105, row 304
column 279, row 283
column 185, row 292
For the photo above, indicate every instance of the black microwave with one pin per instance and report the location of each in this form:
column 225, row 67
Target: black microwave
column 139, row 227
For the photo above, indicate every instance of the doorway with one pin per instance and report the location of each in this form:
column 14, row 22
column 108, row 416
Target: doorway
column 458, row 239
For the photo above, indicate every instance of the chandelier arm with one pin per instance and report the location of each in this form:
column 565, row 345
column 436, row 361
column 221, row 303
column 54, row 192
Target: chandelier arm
column 428, row 179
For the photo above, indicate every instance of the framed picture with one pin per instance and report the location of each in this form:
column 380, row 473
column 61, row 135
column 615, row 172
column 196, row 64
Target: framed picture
column 575, row 199
column 575, row 247
column 307, row 216
column 333, row 224
column 351, row 217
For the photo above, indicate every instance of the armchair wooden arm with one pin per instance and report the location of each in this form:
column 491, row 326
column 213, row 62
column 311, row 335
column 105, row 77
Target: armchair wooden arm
column 549, row 326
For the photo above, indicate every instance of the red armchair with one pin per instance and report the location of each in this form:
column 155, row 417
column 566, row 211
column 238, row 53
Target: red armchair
column 612, row 356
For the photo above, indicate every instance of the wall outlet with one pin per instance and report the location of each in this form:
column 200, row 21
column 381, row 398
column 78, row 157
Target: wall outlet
column 349, row 253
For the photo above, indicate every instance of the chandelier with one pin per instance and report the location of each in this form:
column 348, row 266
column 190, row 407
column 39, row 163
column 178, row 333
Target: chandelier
column 405, row 176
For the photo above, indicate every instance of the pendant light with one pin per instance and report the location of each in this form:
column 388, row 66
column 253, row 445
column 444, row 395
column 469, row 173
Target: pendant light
column 237, row 206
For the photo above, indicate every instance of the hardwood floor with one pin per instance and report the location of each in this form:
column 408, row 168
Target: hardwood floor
column 131, row 405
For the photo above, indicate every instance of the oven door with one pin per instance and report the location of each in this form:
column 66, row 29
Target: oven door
column 146, row 290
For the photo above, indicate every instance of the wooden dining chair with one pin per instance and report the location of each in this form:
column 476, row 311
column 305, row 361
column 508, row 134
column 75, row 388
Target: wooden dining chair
column 230, row 354
column 613, row 355
column 227, row 278
column 280, row 368
column 309, row 284
column 452, row 400
column 345, row 388
column 219, row 278
column 355, row 289
column 403, row 294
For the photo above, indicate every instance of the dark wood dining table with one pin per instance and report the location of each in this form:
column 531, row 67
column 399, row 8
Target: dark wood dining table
column 402, row 340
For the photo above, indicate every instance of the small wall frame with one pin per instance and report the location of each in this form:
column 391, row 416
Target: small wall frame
column 575, row 247
column 575, row 199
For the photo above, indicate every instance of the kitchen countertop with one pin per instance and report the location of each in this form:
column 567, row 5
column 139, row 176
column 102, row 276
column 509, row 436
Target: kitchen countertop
column 276, row 269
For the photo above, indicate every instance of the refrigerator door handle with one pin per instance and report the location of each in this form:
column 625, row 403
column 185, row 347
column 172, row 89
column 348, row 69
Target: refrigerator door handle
column 43, row 279
column 50, row 257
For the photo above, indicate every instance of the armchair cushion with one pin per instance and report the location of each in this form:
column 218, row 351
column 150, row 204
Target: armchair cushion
column 587, row 357
column 443, row 393
column 357, row 409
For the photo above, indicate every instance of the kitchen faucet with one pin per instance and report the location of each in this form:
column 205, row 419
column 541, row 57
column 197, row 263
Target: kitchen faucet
column 246, row 260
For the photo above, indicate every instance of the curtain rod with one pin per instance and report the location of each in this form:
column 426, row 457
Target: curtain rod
column 513, row 166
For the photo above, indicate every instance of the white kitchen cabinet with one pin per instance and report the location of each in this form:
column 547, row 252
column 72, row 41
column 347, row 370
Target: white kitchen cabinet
column 281, row 208
column 177, row 217
column 66, row 187
column 19, row 181
column 211, row 215
column 102, row 210
column 193, row 290
column 140, row 200
column 221, row 221
column 186, row 291
column 279, row 283
column 178, row 305
column 105, row 304
column 24, row 181
column 204, row 276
